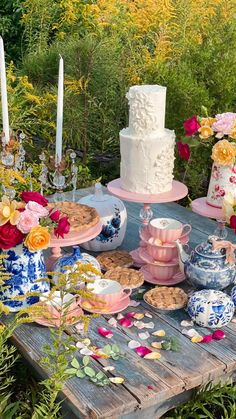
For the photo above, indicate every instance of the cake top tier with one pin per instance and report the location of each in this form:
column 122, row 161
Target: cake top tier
column 147, row 105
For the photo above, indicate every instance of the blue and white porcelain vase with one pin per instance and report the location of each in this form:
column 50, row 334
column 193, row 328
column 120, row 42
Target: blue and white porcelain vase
column 210, row 308
column 113, row 216
column 26, row 269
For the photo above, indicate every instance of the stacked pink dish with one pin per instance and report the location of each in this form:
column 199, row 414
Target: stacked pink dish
column 158, row 250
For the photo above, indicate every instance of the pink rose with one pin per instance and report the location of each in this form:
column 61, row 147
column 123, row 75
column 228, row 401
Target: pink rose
column 54, row 215
column 37, row 209
column 184, row 150
column 232, row 179
column 233, row 222
column 10, row 236
column 27, row 221
column 62, row 228
column 34, row 196
column 191, row 126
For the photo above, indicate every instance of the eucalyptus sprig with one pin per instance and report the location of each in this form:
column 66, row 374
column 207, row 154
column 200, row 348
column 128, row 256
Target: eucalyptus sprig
column 82, row 370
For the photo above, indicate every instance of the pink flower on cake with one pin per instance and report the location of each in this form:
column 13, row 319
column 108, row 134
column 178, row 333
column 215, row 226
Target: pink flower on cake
column 191, row 126
column 37, row 209
column 27, row 221
column 184, row 150
column 34, row 196
column 62, row 228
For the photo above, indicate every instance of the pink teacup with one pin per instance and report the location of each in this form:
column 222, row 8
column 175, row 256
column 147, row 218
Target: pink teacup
column 107, row 293
column 166, row 229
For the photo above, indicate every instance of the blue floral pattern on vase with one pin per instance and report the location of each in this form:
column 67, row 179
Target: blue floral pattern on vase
column 210, row 308
column 25, row 269
column 233, row 295
column 111, row 229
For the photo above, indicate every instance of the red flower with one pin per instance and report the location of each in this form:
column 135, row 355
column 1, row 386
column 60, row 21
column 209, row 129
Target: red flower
column 184, row 150
column 233, row 222
column 191, row 126
column 55, row 215
column 10, row 236
column 34, row 196
column 62, row 228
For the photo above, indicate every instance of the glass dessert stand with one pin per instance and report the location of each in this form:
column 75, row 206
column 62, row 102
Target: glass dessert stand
column 178, row 191
column 201, row 207
column 70, row 239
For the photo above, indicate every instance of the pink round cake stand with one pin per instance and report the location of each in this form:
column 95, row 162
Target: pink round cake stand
column 201, row 207
column 70, row 239
column 178, row 191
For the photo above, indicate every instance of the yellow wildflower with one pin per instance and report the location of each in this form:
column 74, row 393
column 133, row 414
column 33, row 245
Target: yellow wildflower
column 205, row 132
column 224, row 153
column 8, row 211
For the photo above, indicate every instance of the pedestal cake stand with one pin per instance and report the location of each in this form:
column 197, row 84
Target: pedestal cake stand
column 178, row 191
column 201, row 207
column 70, row 239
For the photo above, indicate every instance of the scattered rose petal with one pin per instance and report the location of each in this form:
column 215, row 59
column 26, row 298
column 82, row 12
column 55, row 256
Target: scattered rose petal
column 106, row 333
column 80, row 345
column 159, row 333
column 156, row 345
column 138, row 316
column 149, row 325
column 116, row 380
column 190, row 332
column 148, row 315
column 151, row 388
column 79, row 327
column 218, row 335
column 112, row 322
column 125, row 322
column 142, row 351
column 130, row 314
column 186, row 323
column 133, row 344
column 86, row 351
column 86, row 341
column 120, row 316
column 206, row 338
column 153, row 355
column 144, row 335
column 196, row 339
column 109, row 368
column 139, row 324
column 95, row 356
column 134, row 303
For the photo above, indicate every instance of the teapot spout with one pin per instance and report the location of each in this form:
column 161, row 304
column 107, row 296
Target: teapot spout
column 183, row 256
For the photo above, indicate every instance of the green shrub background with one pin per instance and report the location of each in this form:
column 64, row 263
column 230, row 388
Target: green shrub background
column 107, row 46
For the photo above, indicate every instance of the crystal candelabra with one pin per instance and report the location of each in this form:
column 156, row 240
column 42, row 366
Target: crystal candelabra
column 59, row 176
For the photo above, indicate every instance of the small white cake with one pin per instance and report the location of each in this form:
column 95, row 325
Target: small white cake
column 146, row 146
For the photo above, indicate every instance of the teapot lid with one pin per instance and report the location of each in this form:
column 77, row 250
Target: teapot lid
column 206, row 249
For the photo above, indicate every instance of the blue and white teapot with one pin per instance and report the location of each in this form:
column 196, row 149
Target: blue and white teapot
column 210, row 265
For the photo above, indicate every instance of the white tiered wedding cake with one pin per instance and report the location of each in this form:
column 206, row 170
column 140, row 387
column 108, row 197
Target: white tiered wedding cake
column 146, row 146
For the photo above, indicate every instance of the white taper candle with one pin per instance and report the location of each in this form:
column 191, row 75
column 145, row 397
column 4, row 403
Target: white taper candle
column 59, row 111
column 5, row 118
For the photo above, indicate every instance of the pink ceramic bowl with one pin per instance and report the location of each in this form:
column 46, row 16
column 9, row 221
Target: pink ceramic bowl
column 164, row 253
column 166, row 229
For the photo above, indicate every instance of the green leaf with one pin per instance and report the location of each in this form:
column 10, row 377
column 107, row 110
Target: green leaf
column 115, row 348
column 93, row 379
column 100, row 375
column 75, row 363
column 115, row 357
column 71, row 371
column 80, row 374
column 86, row 360
column 89, row 371
column 166, row 346
column 107, row 349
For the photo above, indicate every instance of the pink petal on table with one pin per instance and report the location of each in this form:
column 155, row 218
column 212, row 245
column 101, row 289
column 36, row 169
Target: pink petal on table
column 144, row 335
column 130, row 314
column 139, row 324
column 80, row 345
column 120, row 316
column 186, row 323
column 148, row 315
column 206, row 339
column 125, row 322
column 105, row 332
column 151, row 388
column 142, row 351
column 149, row 325
column 218, row 335
column 94, row 356
column 112, row 322
column 133, row 344
column 79, row 327
column 86, row 351
column 134, row 303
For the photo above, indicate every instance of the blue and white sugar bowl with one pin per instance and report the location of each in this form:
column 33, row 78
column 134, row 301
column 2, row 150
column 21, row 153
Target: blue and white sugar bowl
column 210, row 308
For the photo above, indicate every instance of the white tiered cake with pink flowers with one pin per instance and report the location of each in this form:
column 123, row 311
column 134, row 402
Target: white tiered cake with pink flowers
column 146, row 146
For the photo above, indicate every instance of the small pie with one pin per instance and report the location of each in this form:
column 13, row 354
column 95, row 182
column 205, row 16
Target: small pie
column 130, row 278
column 114, row 259
column 81, row 217
column 166, row 298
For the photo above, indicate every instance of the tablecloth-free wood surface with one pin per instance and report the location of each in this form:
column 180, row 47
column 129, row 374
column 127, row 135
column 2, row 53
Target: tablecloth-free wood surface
column 151, row 387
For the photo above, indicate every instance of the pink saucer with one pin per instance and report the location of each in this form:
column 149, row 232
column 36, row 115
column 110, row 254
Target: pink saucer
column 122, row 305
column 138, row 262
column 144, row 256
column 177, row 278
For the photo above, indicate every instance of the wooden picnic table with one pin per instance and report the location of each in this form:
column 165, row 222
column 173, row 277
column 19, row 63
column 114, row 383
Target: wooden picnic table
column 151, row 387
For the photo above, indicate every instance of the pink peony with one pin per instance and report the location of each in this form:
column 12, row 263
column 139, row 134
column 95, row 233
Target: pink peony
column 54, row 215
column 34, row 196
column 224, row 124
column 184, row 150
column 37, row 209
column 27, row 220
column 191, row 126
column 62, row 228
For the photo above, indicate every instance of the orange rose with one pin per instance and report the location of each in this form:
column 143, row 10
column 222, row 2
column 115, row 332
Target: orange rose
column 205, row 132
column 37, row 239
column 224, row 153
column 207, row 121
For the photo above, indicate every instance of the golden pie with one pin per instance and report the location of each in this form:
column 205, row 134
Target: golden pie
column 81, row 217
column 114, row 259
column 130, row 278
column 166, row 298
